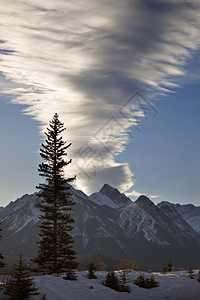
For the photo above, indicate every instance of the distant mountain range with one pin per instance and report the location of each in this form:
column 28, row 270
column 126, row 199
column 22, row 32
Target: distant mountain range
column 108, row 222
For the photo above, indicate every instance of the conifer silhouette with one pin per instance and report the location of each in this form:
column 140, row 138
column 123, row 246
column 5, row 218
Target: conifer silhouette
column 21, row 286
column 56, row 253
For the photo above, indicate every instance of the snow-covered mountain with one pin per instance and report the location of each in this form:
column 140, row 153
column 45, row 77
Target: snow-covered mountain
column 108, row 222
column 188, row 212
column 110, row 197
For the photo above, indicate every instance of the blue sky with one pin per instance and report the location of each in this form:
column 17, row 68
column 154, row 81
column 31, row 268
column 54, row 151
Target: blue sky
column 84, row 62
column 164, row 154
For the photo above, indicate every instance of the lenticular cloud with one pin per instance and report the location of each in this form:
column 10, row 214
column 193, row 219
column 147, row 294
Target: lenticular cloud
column 87, row 62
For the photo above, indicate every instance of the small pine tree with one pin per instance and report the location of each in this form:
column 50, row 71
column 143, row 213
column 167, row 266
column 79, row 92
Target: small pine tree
column 111, row 281
column 21, row 285
column 147, row 282
column 152, row 282
column 140, row 281
column 70, row 274
column 170, row 265
column 91, row 270
column 198, row 279
column 190, row 273
column 164, row 269
column 2, row 264
column 124, row 287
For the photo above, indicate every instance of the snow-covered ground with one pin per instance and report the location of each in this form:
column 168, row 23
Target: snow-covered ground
column 174, row 285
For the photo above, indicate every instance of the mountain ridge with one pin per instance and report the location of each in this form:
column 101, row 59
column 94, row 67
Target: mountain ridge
column 108, row 222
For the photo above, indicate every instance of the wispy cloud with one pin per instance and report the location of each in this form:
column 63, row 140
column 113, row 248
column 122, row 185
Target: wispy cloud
column 154, row 196
column 137, row 194
column 83, row 61
column 134, row 194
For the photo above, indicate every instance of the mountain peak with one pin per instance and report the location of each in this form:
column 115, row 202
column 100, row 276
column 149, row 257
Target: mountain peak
column 105, row 188
column 110, row 196
column 164, row 203
column 143, row 201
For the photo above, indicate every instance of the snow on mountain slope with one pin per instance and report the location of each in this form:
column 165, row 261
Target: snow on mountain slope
column 134, row 220
column 96, row 229
column 174, row 226
column 15, row 205
column 20, row 213
column 110, row 197
column 106, row 222
column 189, row 212
column 102, row 199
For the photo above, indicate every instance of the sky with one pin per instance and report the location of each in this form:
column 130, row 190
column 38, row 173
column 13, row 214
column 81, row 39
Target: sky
column 123, row 77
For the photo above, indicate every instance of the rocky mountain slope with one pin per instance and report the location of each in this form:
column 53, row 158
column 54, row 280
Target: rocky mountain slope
column 108, row 222
column 188, row 212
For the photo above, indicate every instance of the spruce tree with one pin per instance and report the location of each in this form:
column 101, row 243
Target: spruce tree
column 164, row 269
column 21, row 285
column 56, row 253
column 190, row 273
column 124, row 287
column 152, row 282
column 140, row 280
column 111, row 281
column 70, row 274
column 147, row 282
column 170, row 265
column 91, row 270
column 2, row 264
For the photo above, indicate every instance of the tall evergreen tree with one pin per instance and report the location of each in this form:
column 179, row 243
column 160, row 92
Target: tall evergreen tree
column 21, row 285
column 56, row 252
column 2, row 264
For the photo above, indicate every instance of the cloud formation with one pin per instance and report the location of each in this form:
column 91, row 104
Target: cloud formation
column 85, row 60
column 137, row 194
